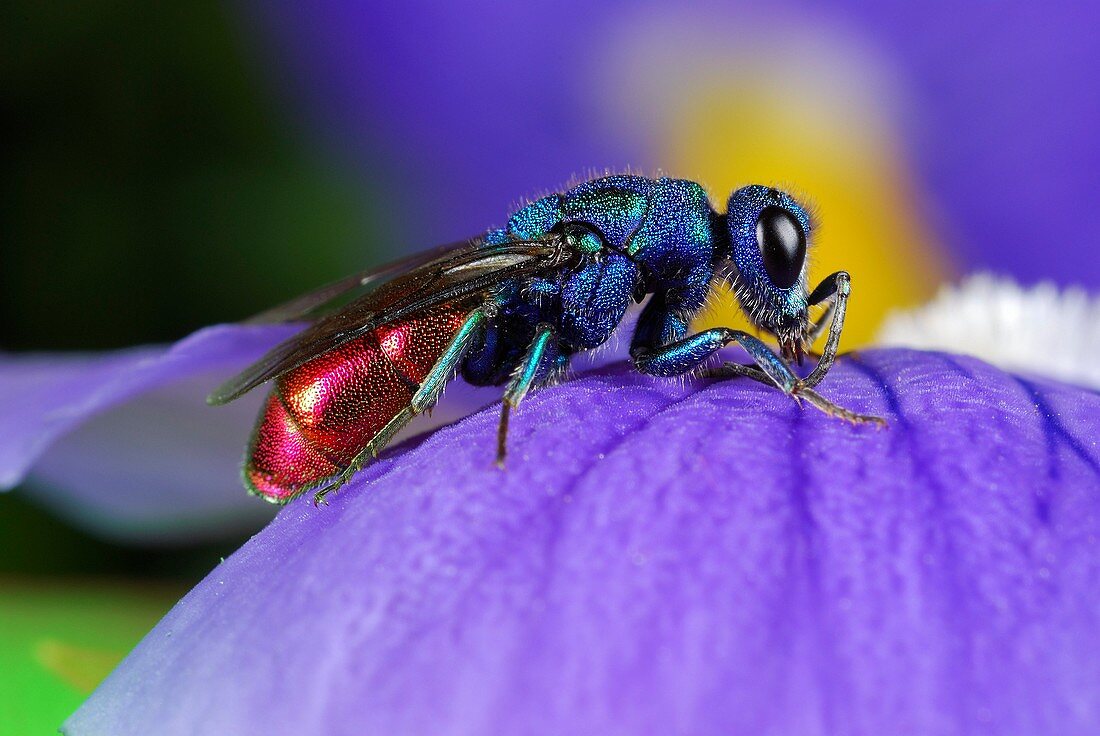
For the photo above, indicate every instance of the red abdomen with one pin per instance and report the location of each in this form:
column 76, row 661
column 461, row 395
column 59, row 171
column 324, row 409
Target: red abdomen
column 325, row 412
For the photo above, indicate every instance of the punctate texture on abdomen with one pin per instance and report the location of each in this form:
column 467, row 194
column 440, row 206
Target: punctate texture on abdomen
column 325, row 412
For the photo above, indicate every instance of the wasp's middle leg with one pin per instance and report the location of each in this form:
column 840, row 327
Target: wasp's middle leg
column 543, row 357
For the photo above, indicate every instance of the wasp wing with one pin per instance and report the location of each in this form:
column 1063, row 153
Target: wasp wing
column 465, row 275
column 314, row 303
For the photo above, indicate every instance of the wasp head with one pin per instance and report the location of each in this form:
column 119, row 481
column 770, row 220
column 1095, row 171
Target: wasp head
column 768, row 236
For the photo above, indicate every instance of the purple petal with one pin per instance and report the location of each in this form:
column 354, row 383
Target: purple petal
column 124, row 443
column 668, row 558
column 47, row 396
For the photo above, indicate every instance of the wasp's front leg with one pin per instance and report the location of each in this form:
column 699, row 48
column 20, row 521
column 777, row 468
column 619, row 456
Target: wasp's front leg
column 684, row 354
column 834, row 289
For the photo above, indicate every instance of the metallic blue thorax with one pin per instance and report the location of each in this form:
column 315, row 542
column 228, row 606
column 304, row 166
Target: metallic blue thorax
column 642, row 236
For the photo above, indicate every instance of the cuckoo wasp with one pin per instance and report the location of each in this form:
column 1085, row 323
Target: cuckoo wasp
column 512, row 306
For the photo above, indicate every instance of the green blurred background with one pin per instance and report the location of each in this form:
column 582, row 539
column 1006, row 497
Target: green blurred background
column 139, row 139
column 147, row 174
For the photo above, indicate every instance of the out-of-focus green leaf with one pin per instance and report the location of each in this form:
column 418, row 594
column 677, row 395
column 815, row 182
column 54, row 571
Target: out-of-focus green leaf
column 59, row 638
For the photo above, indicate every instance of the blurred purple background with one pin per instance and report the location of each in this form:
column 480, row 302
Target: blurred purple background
column 460, row 108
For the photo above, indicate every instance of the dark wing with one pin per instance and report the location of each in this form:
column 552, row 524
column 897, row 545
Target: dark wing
column 462, row 275
column 309, row 306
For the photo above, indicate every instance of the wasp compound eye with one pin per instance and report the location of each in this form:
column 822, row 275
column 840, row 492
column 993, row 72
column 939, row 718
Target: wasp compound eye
column 782, row 244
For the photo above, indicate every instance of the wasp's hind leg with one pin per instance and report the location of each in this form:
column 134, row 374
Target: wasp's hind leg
column 370, row 452
column 543, row 357
column 424, row 398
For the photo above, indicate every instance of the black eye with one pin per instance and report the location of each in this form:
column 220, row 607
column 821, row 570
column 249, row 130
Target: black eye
column 782, row 244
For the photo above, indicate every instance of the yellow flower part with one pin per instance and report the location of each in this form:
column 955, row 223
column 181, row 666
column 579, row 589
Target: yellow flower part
column 81, row 667
column 854, row 180
column 802, row 108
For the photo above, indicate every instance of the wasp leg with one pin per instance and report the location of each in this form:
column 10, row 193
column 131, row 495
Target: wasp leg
column 827, row 293
column 734, row 370
column 771, row 369
column 681, row 355
column 423, row 400
column 798, row 391
column 370, row 452
column 658, row 347
column 543, row 356
column 819, row 327
column 829, row 290
column 835, row 289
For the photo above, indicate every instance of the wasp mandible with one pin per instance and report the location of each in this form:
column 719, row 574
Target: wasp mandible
column 512, row 306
